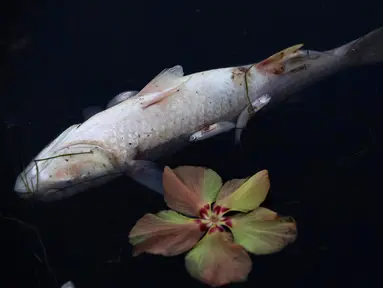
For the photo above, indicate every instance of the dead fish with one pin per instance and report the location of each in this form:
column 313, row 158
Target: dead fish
column 138, row 128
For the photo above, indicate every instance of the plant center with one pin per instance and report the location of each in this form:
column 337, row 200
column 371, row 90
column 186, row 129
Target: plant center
column 212, row 218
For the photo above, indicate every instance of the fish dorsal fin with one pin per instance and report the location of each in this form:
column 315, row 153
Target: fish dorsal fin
column 162, row 86
column 275, row 62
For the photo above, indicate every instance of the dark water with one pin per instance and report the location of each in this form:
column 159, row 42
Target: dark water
column 322, row 149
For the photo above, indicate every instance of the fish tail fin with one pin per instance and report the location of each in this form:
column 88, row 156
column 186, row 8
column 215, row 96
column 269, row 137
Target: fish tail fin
column 367, row 49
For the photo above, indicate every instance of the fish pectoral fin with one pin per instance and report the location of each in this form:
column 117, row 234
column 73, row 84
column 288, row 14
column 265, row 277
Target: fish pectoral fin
column 275, row 63
column 211, row 131
column 149, row 99
column 164, row 79
column 147, row 173
column 163, row 85
column 247, row 113
column 121, row 98
column 90, row 112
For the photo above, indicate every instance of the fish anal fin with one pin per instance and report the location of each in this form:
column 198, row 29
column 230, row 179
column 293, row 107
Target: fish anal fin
column 275, row 63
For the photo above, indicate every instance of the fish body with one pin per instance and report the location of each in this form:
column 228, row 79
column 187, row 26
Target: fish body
column 160, row 119
column 130, row 132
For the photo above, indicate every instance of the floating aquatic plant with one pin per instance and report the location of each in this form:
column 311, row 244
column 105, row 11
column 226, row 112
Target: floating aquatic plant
column 200, row 205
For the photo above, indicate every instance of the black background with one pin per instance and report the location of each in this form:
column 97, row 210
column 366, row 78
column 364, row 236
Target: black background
column 322, row 147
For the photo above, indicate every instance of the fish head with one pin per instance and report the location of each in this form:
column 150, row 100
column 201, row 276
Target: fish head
column 63, row 169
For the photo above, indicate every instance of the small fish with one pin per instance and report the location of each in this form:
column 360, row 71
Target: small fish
column 138, row 128
column 244, row 117
column 212, row 130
